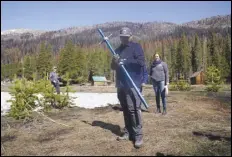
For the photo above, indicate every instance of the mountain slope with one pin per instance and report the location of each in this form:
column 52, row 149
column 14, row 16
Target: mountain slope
column 212, row 22
column 28, row 40
column 140, row 29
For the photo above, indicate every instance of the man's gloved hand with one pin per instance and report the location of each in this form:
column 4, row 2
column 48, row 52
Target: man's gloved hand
column 54, row 81
column 143, row 84
column 117, row 60
column 116, row 57
column 121, row 61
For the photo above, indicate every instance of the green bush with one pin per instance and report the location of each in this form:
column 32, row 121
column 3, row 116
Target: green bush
column 173, row 86
column 47, row 92
column 57, row 100
column 212, row 88
column 23, row 98
column 81, row 79
column 26, row 93
column 180, row 85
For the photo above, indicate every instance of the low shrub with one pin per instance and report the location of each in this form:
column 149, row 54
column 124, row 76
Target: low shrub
column 180, row 85
column 27, row 95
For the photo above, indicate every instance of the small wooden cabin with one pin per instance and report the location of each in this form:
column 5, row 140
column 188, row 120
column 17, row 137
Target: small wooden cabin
column 99, row 81
column 197, row 78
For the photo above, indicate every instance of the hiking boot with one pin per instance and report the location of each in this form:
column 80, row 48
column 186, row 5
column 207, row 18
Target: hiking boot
column 124, row 137
column 138, row 143
column 158, row 110
column 164, row 112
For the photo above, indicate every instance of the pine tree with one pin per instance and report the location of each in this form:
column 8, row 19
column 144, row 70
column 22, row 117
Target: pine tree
column 225, row 62
column 198, row 51
column 67, row 61
column 180, row 59
column 95, row 63
column 193, row 60
column 163, row 55
column 204, row 54
column 172, row 61
column 43, row 63
column 195, row 55
column 106, row 61
column 107, row 66
column 213, row 52
column 28, row 69
column 81, row 65
column 227, row 49
column 186, row 55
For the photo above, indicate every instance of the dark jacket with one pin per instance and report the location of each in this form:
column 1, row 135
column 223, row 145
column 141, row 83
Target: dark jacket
column 134, row 65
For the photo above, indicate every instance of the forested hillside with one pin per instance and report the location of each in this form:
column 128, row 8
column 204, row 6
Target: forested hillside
column 186, row 48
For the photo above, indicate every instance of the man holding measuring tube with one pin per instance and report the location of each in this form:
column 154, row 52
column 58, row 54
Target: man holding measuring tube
column 131, row 55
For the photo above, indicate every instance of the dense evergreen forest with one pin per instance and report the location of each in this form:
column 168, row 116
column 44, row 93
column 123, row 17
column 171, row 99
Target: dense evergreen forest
column 185, row 49
column 184, row 56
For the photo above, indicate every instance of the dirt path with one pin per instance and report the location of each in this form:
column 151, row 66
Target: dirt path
column 195, row 125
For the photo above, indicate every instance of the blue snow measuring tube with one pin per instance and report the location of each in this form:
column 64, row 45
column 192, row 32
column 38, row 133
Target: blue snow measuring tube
column 105, row 39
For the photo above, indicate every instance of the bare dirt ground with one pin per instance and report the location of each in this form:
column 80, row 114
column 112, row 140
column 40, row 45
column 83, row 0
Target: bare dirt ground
column 196, row 124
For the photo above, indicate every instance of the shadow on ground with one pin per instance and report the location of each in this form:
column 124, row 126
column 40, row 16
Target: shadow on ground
column 108, row 126
column 161, row 154
column 211, row 136
column 119, row 108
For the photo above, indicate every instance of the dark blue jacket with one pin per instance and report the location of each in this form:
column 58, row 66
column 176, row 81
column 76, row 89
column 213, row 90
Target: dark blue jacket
column 134, row 65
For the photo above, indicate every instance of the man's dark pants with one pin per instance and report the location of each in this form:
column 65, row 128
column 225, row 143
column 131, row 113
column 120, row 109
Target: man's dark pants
column 131, row 106
column 57, row 86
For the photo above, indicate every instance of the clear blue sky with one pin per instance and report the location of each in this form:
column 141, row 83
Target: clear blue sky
column 54, row 15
